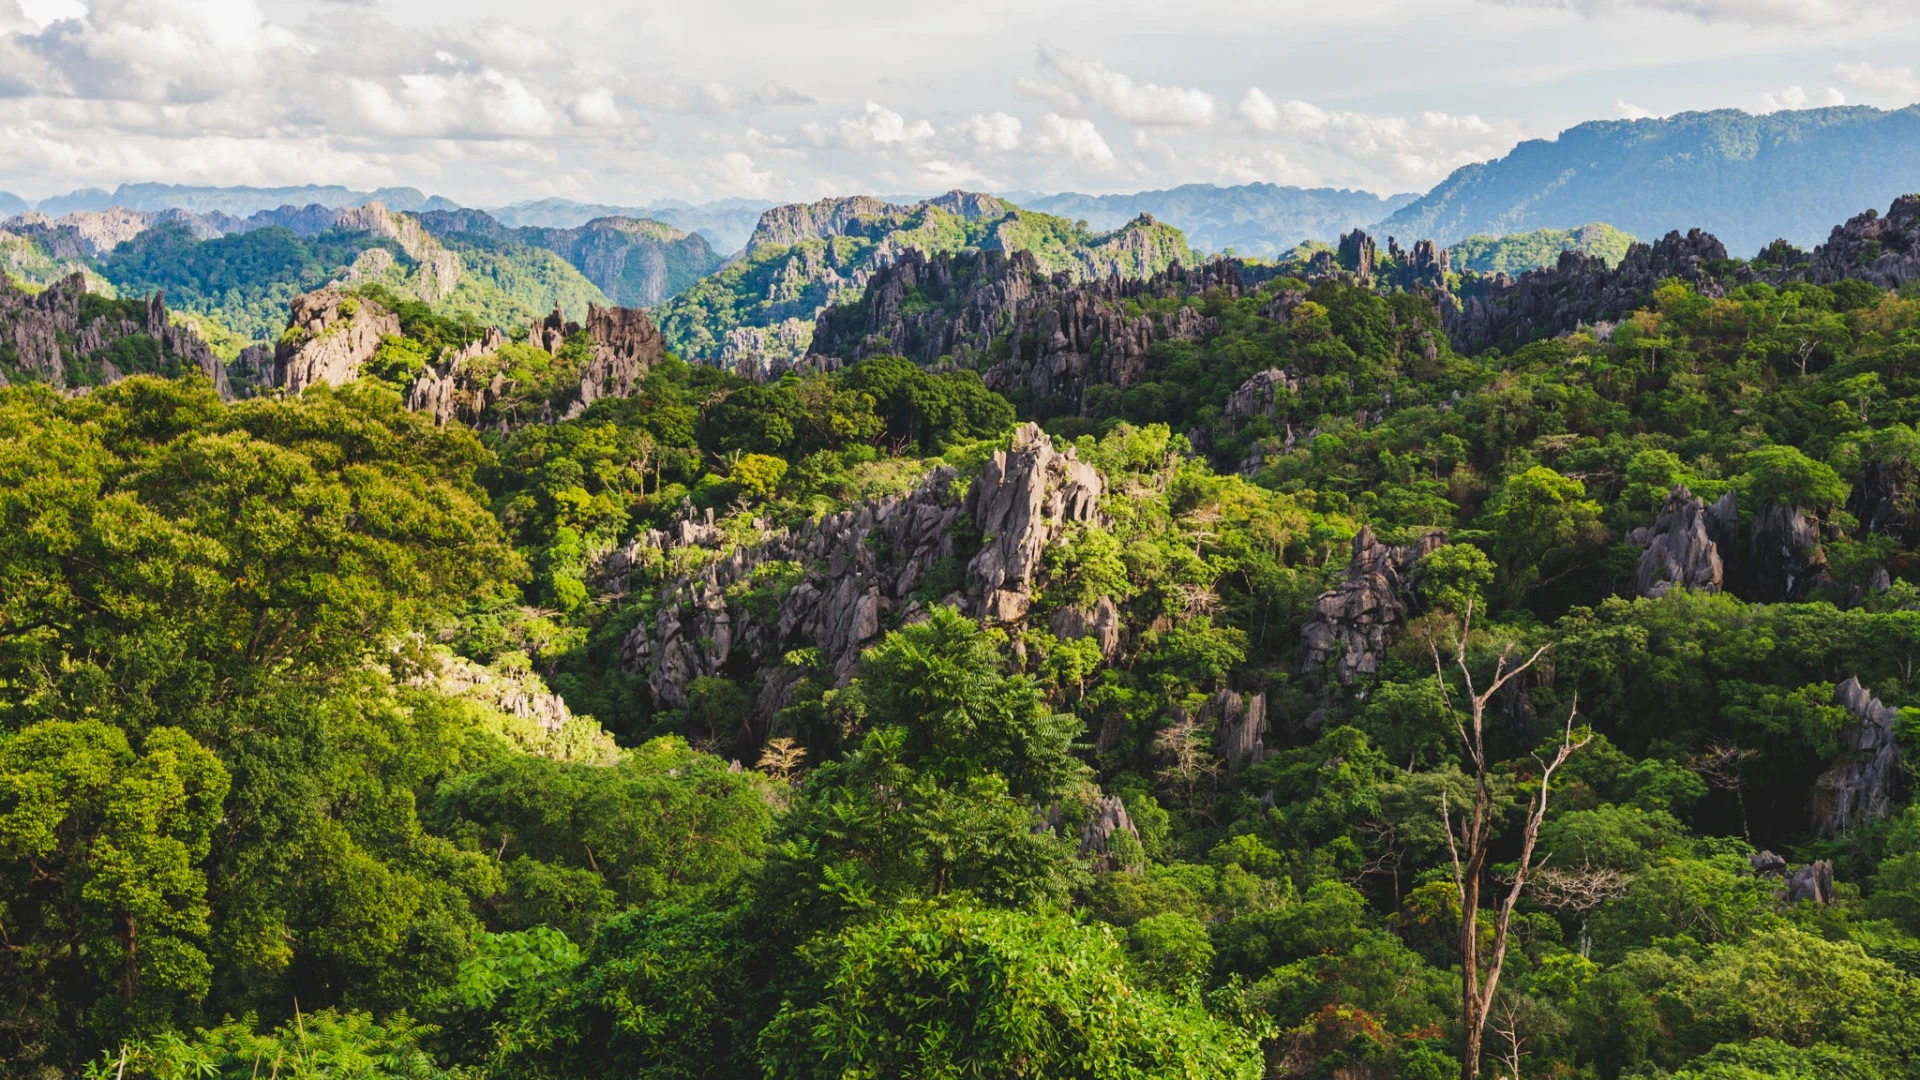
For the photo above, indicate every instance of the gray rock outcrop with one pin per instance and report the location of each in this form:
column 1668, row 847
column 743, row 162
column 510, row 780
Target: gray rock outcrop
column 1860, row 787
column 1022, row 503
column 1881, row 250
column 1581, row 290
column 1109, row 818
column 1101, row 625
column 54, row 337
column 1786, row 561
column 1679, row 551
column 623, row 345
column 838, row 583
column 1242, row 723
column 330, row 337
column 1355, row 622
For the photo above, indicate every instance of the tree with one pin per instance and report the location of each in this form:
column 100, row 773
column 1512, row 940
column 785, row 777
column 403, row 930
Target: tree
column 1543, row 524
column 963, row 991
column 1471, row 842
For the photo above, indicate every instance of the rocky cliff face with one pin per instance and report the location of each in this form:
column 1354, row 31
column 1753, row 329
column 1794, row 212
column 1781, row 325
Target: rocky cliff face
column 1581, row 291
column 1041, row 334
column 623, row 346
column 1860, row 787
column 842, row 581
column 1786, row 561
column 330, row 337
column 63, row 337
column 636, row 262
column 1883, row 251
column 1680, row 552
column 1355, row 622
column 784, row 226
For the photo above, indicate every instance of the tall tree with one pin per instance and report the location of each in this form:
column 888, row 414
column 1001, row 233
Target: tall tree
column 1470, row 842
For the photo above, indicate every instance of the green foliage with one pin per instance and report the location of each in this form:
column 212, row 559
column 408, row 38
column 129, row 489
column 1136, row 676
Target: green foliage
column 966, row 992
column 1517, row 253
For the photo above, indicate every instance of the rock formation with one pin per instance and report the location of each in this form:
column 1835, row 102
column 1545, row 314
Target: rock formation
column 1358, row 255
column 1032, row 333
column 1679, row 551
column 1256, row 397
column 1813, row 882
column 1859, row 788
column 1022, row 503
column 623, row 345
column 1786, row 563
column 1882, row 251
column 1101, row 625
column 329, row 339
column 55, row 338
column 1355, row 622
column 843, row 580
column 1496, row 310
column 1242, row 721
column 1109, row 817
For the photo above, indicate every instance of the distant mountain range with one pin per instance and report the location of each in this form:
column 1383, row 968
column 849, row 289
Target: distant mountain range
column 1262, row 220
column 726, row 224
column 1746, row 179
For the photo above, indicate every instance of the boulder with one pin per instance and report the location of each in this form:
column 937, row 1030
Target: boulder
column 1109, row 818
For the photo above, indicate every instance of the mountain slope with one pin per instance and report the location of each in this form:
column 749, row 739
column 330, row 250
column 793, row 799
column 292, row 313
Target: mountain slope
column 1520, row 252
column 638, row 263
column 758, row 312
column 1747, row 179
column 727, row 223
column 1253, row 219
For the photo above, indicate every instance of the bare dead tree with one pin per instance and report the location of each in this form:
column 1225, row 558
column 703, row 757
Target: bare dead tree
column 1472, row 843
column 1578, row 890
column 1720, row 767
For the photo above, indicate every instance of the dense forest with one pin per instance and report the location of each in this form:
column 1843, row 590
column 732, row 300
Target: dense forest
column 1276, row 689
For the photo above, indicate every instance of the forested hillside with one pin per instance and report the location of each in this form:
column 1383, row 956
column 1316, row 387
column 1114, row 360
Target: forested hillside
column 1344, row 668
column 1746, row 178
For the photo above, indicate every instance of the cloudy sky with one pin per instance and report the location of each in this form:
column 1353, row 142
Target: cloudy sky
column 489, row 101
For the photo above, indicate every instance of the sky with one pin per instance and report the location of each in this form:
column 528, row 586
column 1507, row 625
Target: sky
column 489, row 101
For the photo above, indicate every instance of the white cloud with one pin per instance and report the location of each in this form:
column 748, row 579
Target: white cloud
column 596, row 108
column 1074, row 138
column 876, row 128
column 994, row 131
column 487, row 105
column 735, row 175
column 1410, row 150
column 1629, row 111
column 776, row 95
column 1796, row 97
column 1267, row 167
column 1759, row 12
column 1124, row 99
column 1898, row 82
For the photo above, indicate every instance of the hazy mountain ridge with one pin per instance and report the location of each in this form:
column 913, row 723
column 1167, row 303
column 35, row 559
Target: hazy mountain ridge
column 1748, row 179
column 1261, row 220
column 637, row 262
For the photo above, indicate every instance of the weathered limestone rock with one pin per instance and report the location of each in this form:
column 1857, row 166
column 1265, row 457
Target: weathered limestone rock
column 1102, row 624
column 329, row 339
column 1243, row 720
column 1257, row 397
column 55, row 338
column 1679, row 554
column 1785, row 552
column 1022, row 502
column 1859, row 788
column 1109, row 817
column 1882, row 251
column 1356, row 621
column 1580, row 291
column 625, row 346
column 1813, row 881
column 855, row 574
